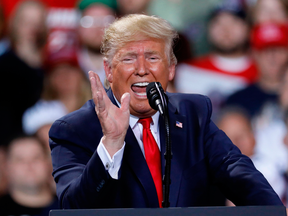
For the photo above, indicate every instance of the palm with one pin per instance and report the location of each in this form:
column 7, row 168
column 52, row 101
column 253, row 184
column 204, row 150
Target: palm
column 114, row 121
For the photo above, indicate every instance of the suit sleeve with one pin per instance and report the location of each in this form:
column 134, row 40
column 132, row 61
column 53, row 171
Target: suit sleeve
column 81, row 179
column 233, row 172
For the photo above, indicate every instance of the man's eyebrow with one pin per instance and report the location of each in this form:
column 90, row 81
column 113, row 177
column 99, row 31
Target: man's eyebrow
column 151, row 52
column 129, row 53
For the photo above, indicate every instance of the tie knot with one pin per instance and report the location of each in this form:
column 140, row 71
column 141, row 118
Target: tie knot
column 145, row 122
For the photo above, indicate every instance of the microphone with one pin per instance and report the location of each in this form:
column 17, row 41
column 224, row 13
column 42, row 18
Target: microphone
column 154, row 92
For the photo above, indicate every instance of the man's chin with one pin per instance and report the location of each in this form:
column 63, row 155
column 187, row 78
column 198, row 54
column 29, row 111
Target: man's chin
column 142, row 113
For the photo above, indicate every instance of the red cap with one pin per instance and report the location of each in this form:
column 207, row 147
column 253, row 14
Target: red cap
column 61, row 47
column 270, row 34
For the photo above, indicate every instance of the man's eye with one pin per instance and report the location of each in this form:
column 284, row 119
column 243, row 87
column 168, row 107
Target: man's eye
column 127, row 60
column 153, row 58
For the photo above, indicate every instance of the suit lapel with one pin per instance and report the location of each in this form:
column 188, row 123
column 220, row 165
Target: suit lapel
column 178, row 141
column 134, row 158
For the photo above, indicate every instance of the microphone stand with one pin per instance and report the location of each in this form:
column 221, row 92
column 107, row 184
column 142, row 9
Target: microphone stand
column 168, row 157
column 167, row 154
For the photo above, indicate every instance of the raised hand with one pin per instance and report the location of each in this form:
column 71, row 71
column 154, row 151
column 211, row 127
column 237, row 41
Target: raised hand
column 114, row 121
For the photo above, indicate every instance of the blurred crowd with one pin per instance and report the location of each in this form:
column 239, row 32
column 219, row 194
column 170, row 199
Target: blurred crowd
column 233, row 51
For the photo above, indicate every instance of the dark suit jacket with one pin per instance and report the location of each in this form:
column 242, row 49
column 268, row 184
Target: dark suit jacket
column 202, row 156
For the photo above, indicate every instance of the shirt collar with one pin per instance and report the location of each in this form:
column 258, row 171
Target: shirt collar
column 133, row 120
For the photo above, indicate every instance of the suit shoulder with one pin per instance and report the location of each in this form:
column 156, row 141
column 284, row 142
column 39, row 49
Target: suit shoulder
column 84, row 113
column 197, row 101
column 77, row 120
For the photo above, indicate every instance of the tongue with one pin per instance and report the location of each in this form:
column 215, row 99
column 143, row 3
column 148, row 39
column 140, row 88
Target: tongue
column 139, row 89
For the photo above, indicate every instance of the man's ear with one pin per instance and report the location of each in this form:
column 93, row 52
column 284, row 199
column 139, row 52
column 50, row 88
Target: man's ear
column 108, row 71
column 171, row 72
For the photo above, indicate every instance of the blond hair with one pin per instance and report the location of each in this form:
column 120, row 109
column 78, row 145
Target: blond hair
column 135, row 27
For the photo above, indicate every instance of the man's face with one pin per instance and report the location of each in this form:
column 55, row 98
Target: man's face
column 30, row 24
column 270, row 61
column 228, row 32
column 27, row 164
column 133, row 67
column 269, row 11
column 92, row 24
column 238, row 129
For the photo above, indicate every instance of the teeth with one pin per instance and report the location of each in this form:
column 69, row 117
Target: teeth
column 141, row 94
column 141, row 84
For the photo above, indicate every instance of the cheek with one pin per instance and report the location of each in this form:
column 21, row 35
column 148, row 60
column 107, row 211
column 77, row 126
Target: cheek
column 215, row 33
column 240, row 32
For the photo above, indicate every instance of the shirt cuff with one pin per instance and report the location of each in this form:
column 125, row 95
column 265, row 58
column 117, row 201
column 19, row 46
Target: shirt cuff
column 112, row 165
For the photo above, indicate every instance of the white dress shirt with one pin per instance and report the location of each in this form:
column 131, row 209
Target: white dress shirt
column 113, row 164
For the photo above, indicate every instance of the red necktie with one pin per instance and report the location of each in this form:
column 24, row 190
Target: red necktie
column 152, row 155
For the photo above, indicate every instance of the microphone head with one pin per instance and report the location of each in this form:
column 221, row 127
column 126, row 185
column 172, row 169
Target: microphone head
column 153, row 94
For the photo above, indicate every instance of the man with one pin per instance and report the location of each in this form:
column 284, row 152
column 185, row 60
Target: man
column 228, row 66
column 95, row 16
column 28, row 173
column 270, row 50
column 235, row 122
column 99, row 159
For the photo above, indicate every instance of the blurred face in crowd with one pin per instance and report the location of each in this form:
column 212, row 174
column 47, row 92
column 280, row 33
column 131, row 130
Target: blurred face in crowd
column 29, row 23
column 238, row 129
column 27, row 164
column 94, row 19
column 134, row 66
column 270, row 11
column 228, row 33
column 132, row 6
column 270, row 62
column 66, row 79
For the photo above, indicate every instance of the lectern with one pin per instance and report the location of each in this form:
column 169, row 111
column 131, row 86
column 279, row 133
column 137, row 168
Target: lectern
column 191, row 211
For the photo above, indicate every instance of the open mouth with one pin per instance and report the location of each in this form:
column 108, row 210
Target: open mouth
column 140, row 88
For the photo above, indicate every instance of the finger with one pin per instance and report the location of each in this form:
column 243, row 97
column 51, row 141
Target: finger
column 98, row 94
column 93, row 85
column 99, row 85
column 100, row 107
column 125, row 101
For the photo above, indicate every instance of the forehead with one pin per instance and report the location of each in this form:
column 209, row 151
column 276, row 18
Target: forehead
column 24, row 148
column 97, row 10
column 145, row 45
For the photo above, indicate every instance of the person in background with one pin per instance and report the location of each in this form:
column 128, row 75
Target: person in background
column 64, row 80
column 266, row 11
column 21, row 66
column 228, row 67
column 37, row 121
column 269, row 44
column 95, row 16
column 261, row 100
column 235, row 122
column 28, row 173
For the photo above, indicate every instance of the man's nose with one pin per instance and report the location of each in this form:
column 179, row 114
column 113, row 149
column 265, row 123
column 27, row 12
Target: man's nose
column 141, row 68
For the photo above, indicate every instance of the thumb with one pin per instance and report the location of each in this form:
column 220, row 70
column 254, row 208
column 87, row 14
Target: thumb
column 125, row 101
